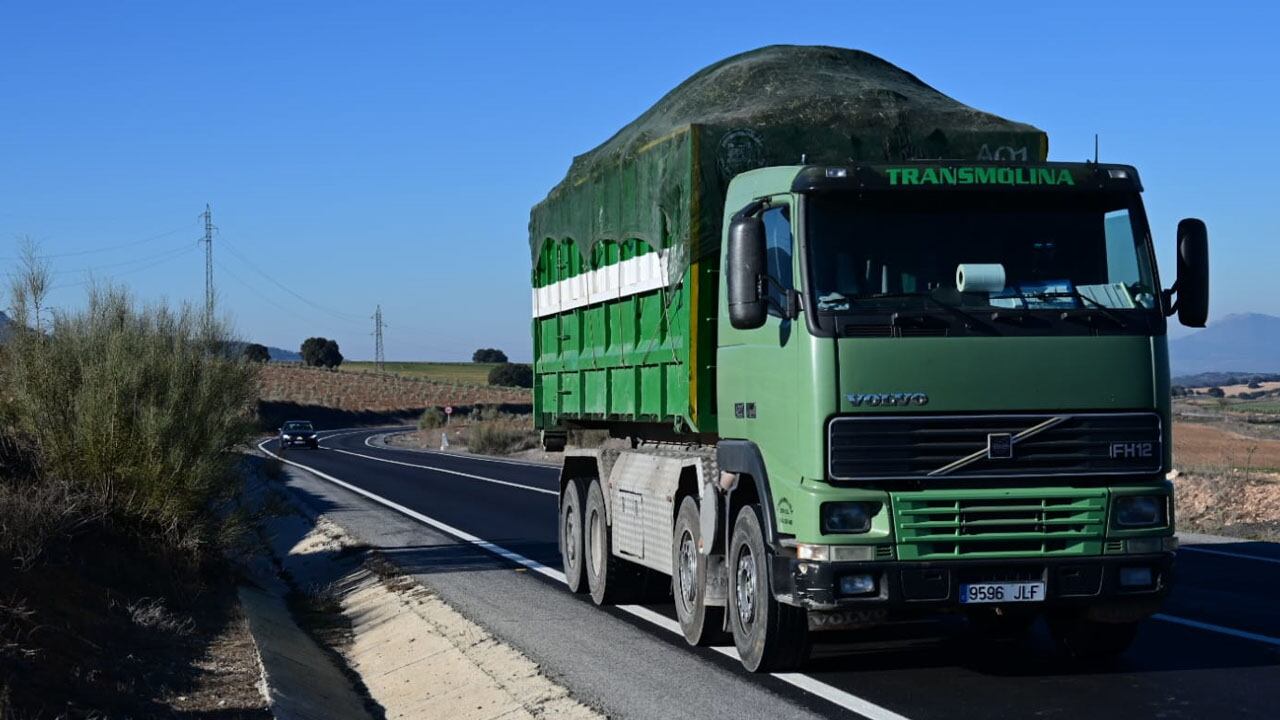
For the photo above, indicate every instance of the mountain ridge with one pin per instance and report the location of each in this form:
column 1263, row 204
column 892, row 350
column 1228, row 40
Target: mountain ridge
column 1238, row 343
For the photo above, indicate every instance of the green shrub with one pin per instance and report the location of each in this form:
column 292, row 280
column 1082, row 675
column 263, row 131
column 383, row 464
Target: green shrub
column 432, row 417
column 511, row 375
column 483, row 412
column 496, row 439
column 132, row 411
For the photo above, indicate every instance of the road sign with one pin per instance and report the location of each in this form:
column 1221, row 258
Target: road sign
column 448, row 409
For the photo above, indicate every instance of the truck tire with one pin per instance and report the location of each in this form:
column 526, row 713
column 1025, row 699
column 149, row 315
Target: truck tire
column 1083, row 639
column 770, row 636
column 571, row 537
column 701, row 625
column 611, row 579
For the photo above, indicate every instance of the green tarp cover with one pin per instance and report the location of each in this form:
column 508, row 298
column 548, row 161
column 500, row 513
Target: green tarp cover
column 662, row 178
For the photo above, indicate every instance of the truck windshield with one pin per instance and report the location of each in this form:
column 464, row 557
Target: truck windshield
column 1022, row 251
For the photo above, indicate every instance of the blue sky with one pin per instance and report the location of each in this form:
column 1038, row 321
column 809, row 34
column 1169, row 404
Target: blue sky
column 364, row 153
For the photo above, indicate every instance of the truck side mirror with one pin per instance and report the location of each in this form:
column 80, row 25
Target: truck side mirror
column 1192, row 285
column 746, row 264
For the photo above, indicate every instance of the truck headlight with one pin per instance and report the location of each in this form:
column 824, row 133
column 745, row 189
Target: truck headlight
column 1135, row 511
column 846, row 517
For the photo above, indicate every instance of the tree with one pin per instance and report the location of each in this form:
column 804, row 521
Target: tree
column 330, row 356
column 31, row 286
column 1216, row 392
column 311, row 351
column 321, row 352
column 489, row 355
column 253, row 352
column 511, row 375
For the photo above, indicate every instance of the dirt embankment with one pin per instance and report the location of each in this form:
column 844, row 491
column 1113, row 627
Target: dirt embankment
column 1227, row 482
column 1228, row 505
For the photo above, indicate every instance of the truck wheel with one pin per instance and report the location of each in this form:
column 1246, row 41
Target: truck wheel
column 770, row 636
column 571, row 537
column 612, row 580
column 1085, row 639
column 701, row 625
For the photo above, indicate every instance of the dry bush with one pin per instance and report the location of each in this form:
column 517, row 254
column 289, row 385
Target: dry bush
column 588, row 438
column 482, row 412
column 497, row 438
column 129, row 412
column 432, row 417
column 34, row 513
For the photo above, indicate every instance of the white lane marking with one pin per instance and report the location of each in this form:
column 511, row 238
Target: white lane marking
column 1217, row 628
column 1241, row 556
column 447, row 471
column 460, row 534
column 368, row 442
column 806, row 683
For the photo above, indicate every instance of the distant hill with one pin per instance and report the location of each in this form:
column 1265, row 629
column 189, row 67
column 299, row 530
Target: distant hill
column 277, row 354
column 1220, row 379
column 1245, row 343
column 282, row 355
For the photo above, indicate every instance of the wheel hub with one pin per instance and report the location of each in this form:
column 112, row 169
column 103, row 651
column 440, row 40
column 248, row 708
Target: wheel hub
column 688, row 570
column 570, row 537
column 746, row 587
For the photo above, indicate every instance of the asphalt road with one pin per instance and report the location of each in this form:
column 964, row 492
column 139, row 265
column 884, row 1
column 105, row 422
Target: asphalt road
column 463, row 524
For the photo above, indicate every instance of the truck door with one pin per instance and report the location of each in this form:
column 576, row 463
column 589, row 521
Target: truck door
column 758, row 369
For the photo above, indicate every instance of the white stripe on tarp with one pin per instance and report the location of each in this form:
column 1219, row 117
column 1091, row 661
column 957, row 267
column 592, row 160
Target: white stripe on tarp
column 622, row 279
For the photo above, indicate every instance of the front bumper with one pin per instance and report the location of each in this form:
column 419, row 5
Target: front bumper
column 936, row 585
column 310, row 442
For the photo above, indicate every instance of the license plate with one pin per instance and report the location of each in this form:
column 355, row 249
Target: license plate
column 1002, row 592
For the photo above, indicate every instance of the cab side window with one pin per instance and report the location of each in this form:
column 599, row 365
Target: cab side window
column 778, row 248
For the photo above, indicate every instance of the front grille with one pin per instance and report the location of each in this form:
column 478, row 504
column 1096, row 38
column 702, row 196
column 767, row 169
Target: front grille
column 933, row 524
column 879, row 447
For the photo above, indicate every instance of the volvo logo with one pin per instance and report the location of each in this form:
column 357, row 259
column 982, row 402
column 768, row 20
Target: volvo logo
column 999, row 446
column 887, row 399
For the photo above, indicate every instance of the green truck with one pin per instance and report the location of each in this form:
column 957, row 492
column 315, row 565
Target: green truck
column 863, row 354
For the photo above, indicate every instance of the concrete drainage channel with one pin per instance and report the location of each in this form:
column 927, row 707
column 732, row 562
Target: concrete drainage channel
column 342, row 634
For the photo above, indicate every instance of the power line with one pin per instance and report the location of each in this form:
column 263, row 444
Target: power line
column 378, row 358
column 327, row 310
column 170, row 253
column 261, row 294
column 160, row 260
column 109, row 248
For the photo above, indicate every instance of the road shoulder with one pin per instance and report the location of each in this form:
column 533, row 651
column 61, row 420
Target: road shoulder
column 411, row 654
column 606, row 658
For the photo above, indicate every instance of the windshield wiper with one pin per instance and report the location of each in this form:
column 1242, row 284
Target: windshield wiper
column 926, row 296
column 1103, row 310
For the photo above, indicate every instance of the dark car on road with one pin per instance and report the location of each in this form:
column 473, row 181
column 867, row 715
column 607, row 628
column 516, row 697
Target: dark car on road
column 298, row 432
